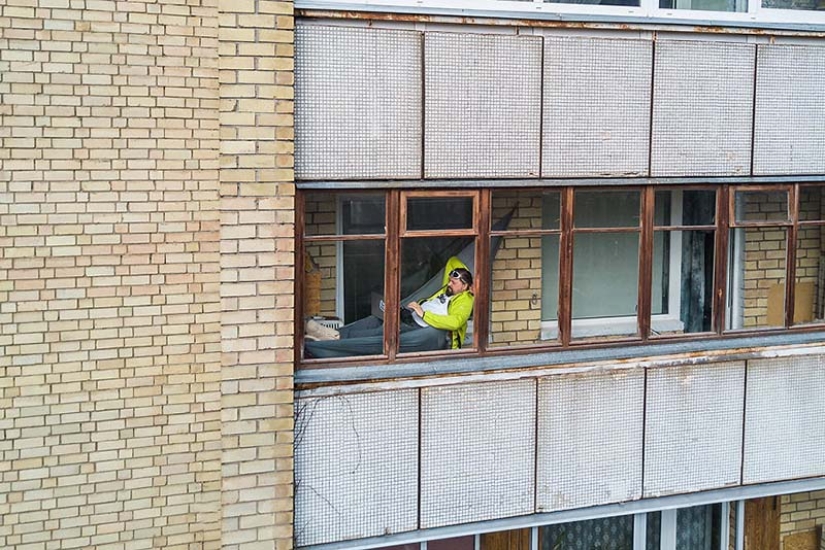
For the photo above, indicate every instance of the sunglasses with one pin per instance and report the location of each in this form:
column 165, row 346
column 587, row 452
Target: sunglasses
column 454, row 274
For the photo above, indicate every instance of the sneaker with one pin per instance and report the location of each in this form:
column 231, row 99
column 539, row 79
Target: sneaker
column 317, row 331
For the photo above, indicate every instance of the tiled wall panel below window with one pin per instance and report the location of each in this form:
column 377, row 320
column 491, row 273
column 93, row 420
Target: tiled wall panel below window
column 477, row 452
column 356, row 469
column 785, row 419
column 589, row 439
column 693, row 428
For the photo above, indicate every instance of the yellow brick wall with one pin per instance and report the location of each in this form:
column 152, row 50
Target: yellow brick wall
column 801, row 512
column 145, row 297
column 516, row 286
column 320, row 218
column 109, row 275
column 765, row 254
column 257, row 201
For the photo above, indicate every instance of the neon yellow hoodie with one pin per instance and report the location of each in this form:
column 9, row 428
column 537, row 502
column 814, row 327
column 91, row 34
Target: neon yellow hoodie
column 458, row 310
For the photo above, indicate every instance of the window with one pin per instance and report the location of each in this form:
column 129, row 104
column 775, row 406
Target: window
column 555, row 267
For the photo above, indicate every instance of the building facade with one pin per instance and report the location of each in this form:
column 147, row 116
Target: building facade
column 638, row 189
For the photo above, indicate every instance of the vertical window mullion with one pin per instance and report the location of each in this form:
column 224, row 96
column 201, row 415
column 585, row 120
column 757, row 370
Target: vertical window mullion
column 668, row 533
column 739, row 536
column 566, row 267
column 643, row 307
column 300, row 282
column 392, row 281
column 720, row 278
column 640, row 532
column 790, row 261
column 483, row 270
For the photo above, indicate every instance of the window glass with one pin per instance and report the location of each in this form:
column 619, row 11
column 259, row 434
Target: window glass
column 699, row 527
column 613, row 533
column 761, row 206
column 809, row 302
column 343, row 283
column 682, row 290
column 428, row 265
column 811, row 203
column 526, row 210
column 686, row 208
column 460, row 543
column 606, row 209
column 709, row 5
column 598, row 2
column 344, row 214
column 429, row 213
column 756, row 277
column 524, row 283
column 793, row 4
column 605, row 284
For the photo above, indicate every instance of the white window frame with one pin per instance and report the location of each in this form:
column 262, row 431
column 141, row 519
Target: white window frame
column 754, row 15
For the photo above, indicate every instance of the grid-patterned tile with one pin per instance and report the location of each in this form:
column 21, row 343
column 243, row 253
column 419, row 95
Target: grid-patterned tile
column 789, row 134
column 702, row 108
column 482, row 105
column 477, row 452
column 356, row 466
column 590, row 439
column 785, row 419
column 596, row 107
column 357, row 103
column 693, row 428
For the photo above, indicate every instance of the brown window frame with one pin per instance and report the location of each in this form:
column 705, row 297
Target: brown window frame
column 481, row 232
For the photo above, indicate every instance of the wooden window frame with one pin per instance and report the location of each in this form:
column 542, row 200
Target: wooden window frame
column 481, row 232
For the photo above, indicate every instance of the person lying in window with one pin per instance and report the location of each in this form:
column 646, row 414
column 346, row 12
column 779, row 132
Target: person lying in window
column 446, row 311
column 451, row 306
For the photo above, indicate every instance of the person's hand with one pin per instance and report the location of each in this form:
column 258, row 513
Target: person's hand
column 416, row 308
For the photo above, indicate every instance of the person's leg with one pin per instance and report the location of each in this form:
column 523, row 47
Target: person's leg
column 421, row 339
column 368, row 326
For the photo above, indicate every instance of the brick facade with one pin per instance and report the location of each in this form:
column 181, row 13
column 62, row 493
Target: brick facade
column 146, row 297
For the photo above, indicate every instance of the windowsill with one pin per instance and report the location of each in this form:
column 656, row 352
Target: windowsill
column 613, row 326
column 711, row 350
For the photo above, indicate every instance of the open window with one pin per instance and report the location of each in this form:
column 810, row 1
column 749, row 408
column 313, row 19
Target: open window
column 556, row 266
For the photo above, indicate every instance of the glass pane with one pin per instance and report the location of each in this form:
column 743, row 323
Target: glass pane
column 709, row 5
column 654, row 531
column 344, row 281
column 426, row 213
column 524, row 290
column 447, row 302
column 685, row 207
column 756, row 278
column 809, row 297
column 461, row 543
column 597, row 2
column 793, row 4
column 529, row 209
column 761, row 206
column 605, row 284
column 682, row 289
column 516, row 539
column 343, row 214
column 606, row 209
column 811, row 203
column 698, row 528
column 613, row 533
